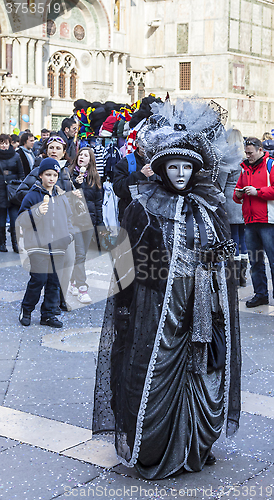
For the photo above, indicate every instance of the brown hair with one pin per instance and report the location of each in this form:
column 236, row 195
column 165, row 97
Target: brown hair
column 24, row 137
column 92, row 176
column 253, row 141
column 45, row 144
column 4, row 138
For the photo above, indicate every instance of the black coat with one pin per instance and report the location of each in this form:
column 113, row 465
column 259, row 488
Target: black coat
column 94, row 199
column 122, row 180
column 71, row 147
column 10, row 168
column 63, row 182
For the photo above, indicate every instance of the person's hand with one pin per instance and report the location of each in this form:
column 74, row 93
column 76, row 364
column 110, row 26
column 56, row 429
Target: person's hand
column 43, row 208
column 147, row 171
column 251, row 191
column 239, row 192
column 77, row 193
column 79, row 179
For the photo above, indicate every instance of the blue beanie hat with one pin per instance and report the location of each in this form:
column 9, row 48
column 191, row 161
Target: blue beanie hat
column 49, row 164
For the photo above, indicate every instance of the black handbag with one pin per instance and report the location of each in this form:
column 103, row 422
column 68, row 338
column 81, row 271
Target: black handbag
column 80, row 213
column 11, row 188
column 216, row 349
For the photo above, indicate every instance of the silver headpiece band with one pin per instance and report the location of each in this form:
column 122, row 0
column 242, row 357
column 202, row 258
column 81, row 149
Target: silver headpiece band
column 178, row 151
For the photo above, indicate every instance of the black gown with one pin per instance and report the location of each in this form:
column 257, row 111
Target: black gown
column 171, row 338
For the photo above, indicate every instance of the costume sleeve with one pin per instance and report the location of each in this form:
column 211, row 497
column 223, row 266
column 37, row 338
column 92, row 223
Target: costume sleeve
column 239, row 185
column 222, row 180
column 122, row 179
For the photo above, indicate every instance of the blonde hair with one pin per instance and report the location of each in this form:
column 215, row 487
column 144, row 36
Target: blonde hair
column 267, row 136
column 235, row 138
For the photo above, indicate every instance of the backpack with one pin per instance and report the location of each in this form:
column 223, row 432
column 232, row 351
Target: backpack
column 269, row 164
column 131, row 163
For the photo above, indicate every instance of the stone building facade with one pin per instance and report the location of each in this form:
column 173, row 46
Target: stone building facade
column 122, row 50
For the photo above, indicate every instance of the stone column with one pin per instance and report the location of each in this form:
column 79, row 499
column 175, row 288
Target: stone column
column 23, row 60
column 16, row 57
column 24, row 110
column 124, row 74
column 6, row 116
column 31, row 61
column 115, row 73
column 107, row 57
column 9, row 55
column 14, row 112
column 39, row 63
column 93, row 66
column 37, row 116
column 67, row 85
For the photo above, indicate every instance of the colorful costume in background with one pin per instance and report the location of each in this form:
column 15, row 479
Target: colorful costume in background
column 171, row 339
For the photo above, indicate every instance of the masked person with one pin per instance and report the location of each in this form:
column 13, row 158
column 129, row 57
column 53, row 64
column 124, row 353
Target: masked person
column 171, row 338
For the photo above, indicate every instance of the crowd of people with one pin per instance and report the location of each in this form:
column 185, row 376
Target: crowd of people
column 198, row 197
column 50, row 166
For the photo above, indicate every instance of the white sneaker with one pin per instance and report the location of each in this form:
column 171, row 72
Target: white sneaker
column 83, row 295
column 73, row 289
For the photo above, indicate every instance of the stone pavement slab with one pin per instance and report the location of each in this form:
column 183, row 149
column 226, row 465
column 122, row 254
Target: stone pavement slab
column 29, row 473
column 9, row 348
column 52, row 383
column 262, row 484
column 95, row 451
column 3, row 390
column 38, row 431
column 6, row 443
column 229, row 469
column 7, row 367
column 78, row 414
column 254, row 438
column 53, row 365
column 48, row 392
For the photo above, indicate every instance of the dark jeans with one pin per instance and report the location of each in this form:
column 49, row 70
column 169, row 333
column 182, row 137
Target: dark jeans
column 13, row 211
column 259, row 238
column 82, row 242
column 43, row 274
column 238, row 235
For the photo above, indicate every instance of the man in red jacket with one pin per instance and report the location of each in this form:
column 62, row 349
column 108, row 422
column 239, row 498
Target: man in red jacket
column 255, row 190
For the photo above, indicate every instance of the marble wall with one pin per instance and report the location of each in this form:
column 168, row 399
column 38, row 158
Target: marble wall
column 228, row 43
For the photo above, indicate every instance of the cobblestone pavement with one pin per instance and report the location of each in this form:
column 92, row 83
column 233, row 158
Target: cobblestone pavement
column 46, row 390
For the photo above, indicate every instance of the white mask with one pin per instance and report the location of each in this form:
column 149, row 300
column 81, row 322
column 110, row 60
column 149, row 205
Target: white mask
column 179, row 172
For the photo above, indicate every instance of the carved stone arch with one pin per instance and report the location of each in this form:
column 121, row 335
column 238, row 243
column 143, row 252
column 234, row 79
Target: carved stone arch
column 63, row 59
column 95, row 11
column 62, row 74
column 4, row 22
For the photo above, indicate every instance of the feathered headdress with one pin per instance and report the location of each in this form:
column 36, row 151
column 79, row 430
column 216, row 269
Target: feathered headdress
column 192, row 128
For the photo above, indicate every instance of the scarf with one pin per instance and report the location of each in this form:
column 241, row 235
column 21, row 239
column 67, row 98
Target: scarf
column 29, row 155
column 6, row 154
column 77, row 168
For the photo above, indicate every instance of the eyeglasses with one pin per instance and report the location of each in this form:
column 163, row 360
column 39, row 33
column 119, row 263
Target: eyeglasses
column 251, row 143
column 57, row 139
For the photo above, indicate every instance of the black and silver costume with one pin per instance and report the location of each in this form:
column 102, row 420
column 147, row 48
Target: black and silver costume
column 171, row 338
